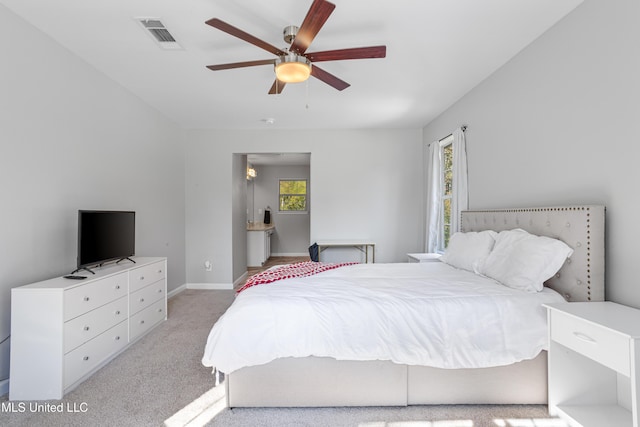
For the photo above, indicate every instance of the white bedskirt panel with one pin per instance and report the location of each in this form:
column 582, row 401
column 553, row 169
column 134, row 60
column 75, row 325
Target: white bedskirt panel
column 321, row 381
column 317, row 382
column 522, row 383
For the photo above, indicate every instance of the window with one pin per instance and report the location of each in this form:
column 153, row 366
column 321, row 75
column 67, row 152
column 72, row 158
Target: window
column 447, row 193
column 293, row 195
column 446, row 145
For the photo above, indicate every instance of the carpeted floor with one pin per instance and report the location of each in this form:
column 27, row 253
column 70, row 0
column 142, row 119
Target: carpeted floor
column 160, row 381
column 411, row 416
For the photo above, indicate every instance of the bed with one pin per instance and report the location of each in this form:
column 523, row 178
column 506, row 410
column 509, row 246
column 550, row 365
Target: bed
column 309, row 373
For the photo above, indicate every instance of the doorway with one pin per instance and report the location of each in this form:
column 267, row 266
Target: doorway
column 267, row 174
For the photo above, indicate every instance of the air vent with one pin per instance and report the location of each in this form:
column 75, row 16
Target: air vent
column 162, row 35
column 159, row 32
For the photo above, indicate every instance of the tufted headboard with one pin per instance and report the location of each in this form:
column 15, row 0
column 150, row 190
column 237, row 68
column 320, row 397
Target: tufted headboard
column 581, row 278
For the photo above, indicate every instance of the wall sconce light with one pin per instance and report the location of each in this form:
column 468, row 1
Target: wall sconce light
column 251, row 173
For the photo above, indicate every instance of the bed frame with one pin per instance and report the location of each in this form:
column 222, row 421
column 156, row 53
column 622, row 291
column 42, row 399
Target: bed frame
column 322, row 381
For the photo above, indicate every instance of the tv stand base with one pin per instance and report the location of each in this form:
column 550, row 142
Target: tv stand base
column 83, row 268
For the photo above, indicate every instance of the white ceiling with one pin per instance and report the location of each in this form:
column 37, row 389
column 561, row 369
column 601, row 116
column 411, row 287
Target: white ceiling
column 437, row 50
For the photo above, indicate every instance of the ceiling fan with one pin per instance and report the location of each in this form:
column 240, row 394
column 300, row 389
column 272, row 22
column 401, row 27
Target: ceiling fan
column 293, row 63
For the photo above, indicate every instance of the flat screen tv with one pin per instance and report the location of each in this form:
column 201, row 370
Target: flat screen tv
column 105, row 236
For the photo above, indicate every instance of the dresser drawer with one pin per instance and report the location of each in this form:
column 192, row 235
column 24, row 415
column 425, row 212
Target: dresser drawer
column 145, row 319
column 81, row 299
column 81, row 329
column 143, row 276
column 601, row 344
column 144, row 297
column 83, row 359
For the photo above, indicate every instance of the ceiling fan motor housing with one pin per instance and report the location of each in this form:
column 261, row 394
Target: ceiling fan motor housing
column 289, row 33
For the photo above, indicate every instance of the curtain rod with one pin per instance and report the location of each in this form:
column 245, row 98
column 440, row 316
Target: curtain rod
column 463, row 128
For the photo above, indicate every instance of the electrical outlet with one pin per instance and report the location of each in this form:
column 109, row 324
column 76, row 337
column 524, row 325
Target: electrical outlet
column 208, row 266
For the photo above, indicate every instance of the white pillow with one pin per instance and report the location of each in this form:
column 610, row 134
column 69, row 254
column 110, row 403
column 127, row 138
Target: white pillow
column 525, row 261
column 469, row 250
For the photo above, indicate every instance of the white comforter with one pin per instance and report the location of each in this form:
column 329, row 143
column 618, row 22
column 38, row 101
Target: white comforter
column 411, row 313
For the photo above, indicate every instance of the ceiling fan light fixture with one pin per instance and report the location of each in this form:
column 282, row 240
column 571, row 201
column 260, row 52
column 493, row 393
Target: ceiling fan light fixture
column 292, row 68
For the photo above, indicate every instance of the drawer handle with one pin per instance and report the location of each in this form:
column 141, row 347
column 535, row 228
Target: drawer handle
column 584, row 337
column 141, row 299
column 86, row 328
column 141, row 277
column 117, row 286
column 117, row 312
column 142, row 322
column 85, row 358
column 86, row 298
column 159, row 291
column 159, row 310
column 118, row 338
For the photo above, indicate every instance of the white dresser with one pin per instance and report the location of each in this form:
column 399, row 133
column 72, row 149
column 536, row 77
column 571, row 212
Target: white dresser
column 594, row 357
column 63, row 330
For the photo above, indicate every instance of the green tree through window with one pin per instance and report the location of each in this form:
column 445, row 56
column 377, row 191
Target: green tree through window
column 293, row 195
column 447, row 183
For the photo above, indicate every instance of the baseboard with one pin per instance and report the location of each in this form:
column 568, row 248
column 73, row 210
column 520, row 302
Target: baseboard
column 175, row 292
column 240, row 280
column 209, row 286
column 291, row 254
column 4, row 387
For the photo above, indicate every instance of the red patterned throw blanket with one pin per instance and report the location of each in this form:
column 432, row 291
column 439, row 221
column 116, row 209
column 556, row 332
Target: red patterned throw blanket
column 298, row 269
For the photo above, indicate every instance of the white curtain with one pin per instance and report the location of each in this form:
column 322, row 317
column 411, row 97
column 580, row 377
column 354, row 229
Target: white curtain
column 434, row 198
column 460, row 191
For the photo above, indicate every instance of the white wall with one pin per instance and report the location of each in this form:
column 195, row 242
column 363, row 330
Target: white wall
column 72, row 139
column 238, row 217
column 291, row 236
column 557, row 125
column 367, row 184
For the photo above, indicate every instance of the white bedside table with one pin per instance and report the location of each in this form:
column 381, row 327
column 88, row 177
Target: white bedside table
column 424, row 257
column 594, row 355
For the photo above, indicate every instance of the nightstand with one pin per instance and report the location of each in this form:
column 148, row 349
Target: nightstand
column 594, row 355
column 425, row 257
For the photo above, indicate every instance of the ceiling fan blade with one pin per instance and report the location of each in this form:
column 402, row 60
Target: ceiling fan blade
column 236, row 32
column 329, row 78
column 316, row 17
column 240, row 64
column 277, row 87
column 354, row 53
